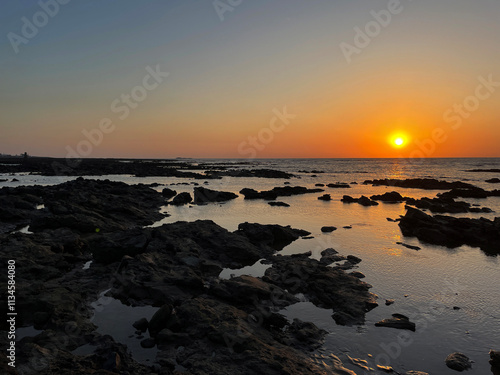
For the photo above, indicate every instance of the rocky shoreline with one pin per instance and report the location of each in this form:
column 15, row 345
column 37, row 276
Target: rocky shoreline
column 86, row 237
column 224, row 326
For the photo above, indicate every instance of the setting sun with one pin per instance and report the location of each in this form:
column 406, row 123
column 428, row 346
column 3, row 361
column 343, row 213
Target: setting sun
column 399, row 141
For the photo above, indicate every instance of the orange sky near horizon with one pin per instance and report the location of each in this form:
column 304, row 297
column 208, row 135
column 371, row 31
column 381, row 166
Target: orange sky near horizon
column 431, row 75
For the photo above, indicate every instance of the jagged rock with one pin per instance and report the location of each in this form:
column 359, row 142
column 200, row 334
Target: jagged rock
column 328, row 229
column 458, row 361
column 364, row 201
column 168, row 193
column 280, row 191
column 278, row 204
column 392, row 197
column 397, row 321
column 420, row 183
column 181, row 199
column 275, row 236
column 339, row 185
column 325, row 197
column 452, row 232
column 204, row 195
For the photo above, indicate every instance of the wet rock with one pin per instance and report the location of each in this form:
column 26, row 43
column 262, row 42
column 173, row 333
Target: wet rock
column 444, row 204
column 339, row 185
column 328, row 229
column 398, row 321
column 204, row 195
column 275, row 236
column 168, row 193
column 493, row 180
column 278, row 204
column 148, row 343
column 388, row 369
column 364, row 201
column 458, row 361
column 416, row 373
column 420, row 183
column 411, row 247
column 452, row 232
column 389, row 302
column 473, row 192
column 141, row 325
column 392, row 197
column 304, row 335
column 261, row 173
column 320, row 185
column 160, row 319
column 358, row 274
column 325, row 286
column 325, row 197
column 181, row 199
column 280, row 191
column 495, row 358
column 328, row 256
column 353, row 259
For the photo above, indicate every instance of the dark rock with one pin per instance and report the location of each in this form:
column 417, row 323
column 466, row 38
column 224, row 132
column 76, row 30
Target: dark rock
column 141, row 325
column 168, row 193
column 275, row 236
column 493, row 180
column 262, row 173
column 339, row 185
column 325, row 286
column 160, row 319
column 364, row 201
column 278, row 204
column 328, row 229
column 320, row 185
column 325, row 197
column 397, row 321
column 353, row 259
column 148, row 343
column 420, row 183
column 452, row 232
column 411, row 247
column 204, row 195
column 304, row 335
column 392, row 197
column 495, row 358
column 389, row 302
column 458, row 361
column 444, row 204
column 280, row 191
column 181, row 199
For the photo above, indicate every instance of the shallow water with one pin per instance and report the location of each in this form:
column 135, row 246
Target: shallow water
column 425, row 284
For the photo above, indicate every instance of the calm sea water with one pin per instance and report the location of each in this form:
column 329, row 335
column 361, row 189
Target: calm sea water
column 426, row 285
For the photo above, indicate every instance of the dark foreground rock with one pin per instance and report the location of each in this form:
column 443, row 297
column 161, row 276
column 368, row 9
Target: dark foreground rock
column 326, row 287
column 182, row 199
column 452, row 232
column 325, row 197
column 398, row 321
column 420, row 183
column 458, row 361
column 474, row 192
column 203, row 195
column 224, row 326
column 495, row 358
column 280, row 191
column 275, row 236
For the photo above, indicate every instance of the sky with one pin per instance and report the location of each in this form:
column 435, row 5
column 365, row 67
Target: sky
column 250, row 78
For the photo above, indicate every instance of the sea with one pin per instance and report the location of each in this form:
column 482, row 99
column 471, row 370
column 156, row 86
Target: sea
column 453, row 295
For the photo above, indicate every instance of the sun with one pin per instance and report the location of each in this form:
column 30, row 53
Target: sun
column 398, row 140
